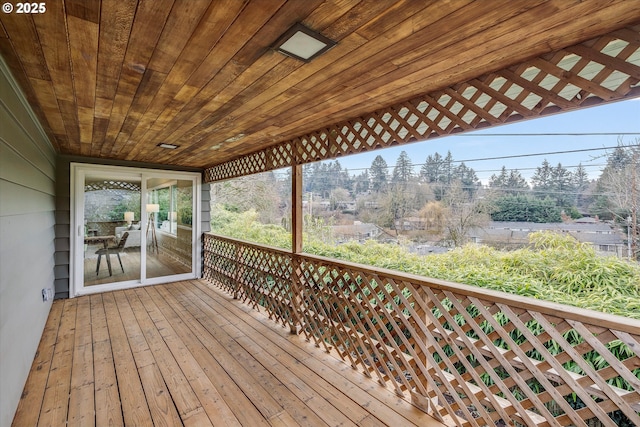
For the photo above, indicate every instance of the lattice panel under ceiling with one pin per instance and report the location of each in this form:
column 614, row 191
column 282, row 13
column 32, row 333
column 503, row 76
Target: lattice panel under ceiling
column 112, row 186
column 600, row 70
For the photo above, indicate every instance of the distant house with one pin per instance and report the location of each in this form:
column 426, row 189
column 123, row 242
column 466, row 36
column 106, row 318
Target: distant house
column 411, row 223
column 356, row 231
column 346, row 205
column 600, row 235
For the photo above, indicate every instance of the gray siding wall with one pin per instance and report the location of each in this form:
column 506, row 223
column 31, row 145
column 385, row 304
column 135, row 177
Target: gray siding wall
column 27, row 239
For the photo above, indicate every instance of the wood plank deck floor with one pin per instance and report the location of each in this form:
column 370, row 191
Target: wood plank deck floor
column 187, row 354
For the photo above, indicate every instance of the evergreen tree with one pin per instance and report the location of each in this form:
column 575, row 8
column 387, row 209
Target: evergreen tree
column 499, row 181
column 467, row 177
column 526, row 209
column 509, row 183
column 379, row 173
column 403, row 171
column 448, row 170
column 438, row 169
column 555, row 182
column 401, row 200
column 516, row 182
column 561, row 186
column 542, row 180
column 362, row 182
column 440, row 173
column 580, row 184
column 433, row 168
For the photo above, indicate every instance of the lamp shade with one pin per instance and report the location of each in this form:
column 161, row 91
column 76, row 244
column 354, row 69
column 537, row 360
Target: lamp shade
column 153, row 207
column 173, row 216
column 129, row 216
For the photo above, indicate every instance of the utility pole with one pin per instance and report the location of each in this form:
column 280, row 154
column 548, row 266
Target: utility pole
column 629, row 251
column 634, row 203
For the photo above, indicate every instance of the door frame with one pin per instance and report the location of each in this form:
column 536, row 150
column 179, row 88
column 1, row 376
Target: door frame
column 76, row 236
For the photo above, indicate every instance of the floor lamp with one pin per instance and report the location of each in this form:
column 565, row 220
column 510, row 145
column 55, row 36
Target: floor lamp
column 152, row 209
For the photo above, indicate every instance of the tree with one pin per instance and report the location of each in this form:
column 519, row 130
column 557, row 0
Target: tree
column 620, row 182
column 362, row 182
column 338, row 195
column 258, row 192
column 516, row 182
column 432, row 169
column 462, row 214
column 433, row 216
column 580, row 183
column 379, row 173
column 561, row 185
column 467, row 177
column 525, row 208
column 510, row 182
column 542, row 180
column 439, row 172
column 499, row 181
column 400, row 201
column 555, row 182
column 403, row 170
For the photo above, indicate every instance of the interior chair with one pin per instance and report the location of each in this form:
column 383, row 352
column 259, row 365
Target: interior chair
column 112, row 250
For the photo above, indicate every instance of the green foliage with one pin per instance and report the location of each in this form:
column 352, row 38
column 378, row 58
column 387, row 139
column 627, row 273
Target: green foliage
column 557, row 268
column 526, row 209
column 245, row 227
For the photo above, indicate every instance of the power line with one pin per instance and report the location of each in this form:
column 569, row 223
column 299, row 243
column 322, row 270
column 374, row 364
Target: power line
column 549, row 153
column 533, row 154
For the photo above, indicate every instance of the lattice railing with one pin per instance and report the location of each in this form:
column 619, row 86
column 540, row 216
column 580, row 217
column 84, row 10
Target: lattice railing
column 469, row 356
column 600, row 70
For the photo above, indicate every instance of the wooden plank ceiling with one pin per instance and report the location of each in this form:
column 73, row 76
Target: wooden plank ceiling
column 113, row 79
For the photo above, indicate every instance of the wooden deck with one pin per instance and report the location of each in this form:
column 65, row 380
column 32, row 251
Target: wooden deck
column 187, row 354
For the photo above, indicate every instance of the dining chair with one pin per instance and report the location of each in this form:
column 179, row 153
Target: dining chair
column 110, row 250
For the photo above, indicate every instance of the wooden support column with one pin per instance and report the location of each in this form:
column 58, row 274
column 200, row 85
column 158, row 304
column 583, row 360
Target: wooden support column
column 297, row 222
column 296, row 209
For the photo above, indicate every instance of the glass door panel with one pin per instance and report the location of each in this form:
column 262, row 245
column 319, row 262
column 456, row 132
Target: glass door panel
column 112, row 236
column 170, row 235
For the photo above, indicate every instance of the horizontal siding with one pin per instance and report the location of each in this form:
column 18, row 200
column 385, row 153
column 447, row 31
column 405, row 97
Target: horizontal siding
column 27, row 239
column 14, row 166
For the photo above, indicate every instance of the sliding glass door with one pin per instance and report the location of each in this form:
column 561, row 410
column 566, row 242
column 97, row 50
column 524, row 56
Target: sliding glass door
column 132, row 227
column 170, row 226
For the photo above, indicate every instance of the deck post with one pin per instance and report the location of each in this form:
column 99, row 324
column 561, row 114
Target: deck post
column 297, row 225
column 422, row 402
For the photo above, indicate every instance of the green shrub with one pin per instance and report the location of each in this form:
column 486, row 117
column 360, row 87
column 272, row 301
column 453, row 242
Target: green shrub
column 556, row 268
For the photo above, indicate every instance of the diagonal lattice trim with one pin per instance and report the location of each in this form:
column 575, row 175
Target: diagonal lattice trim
column 600, row 70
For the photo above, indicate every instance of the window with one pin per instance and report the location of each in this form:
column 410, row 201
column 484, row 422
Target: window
column 174, row 200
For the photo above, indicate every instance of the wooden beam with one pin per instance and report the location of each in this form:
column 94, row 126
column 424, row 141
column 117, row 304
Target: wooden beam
column 297, row 218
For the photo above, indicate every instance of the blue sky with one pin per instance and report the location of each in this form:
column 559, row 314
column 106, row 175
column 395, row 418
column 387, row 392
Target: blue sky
column 614, row 119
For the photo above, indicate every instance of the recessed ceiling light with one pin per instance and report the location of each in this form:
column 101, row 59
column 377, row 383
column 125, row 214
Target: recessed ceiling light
column 303, row 43
column 169, row 146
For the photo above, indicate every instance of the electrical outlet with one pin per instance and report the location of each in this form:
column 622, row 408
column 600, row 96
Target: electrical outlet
column 47, row 294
